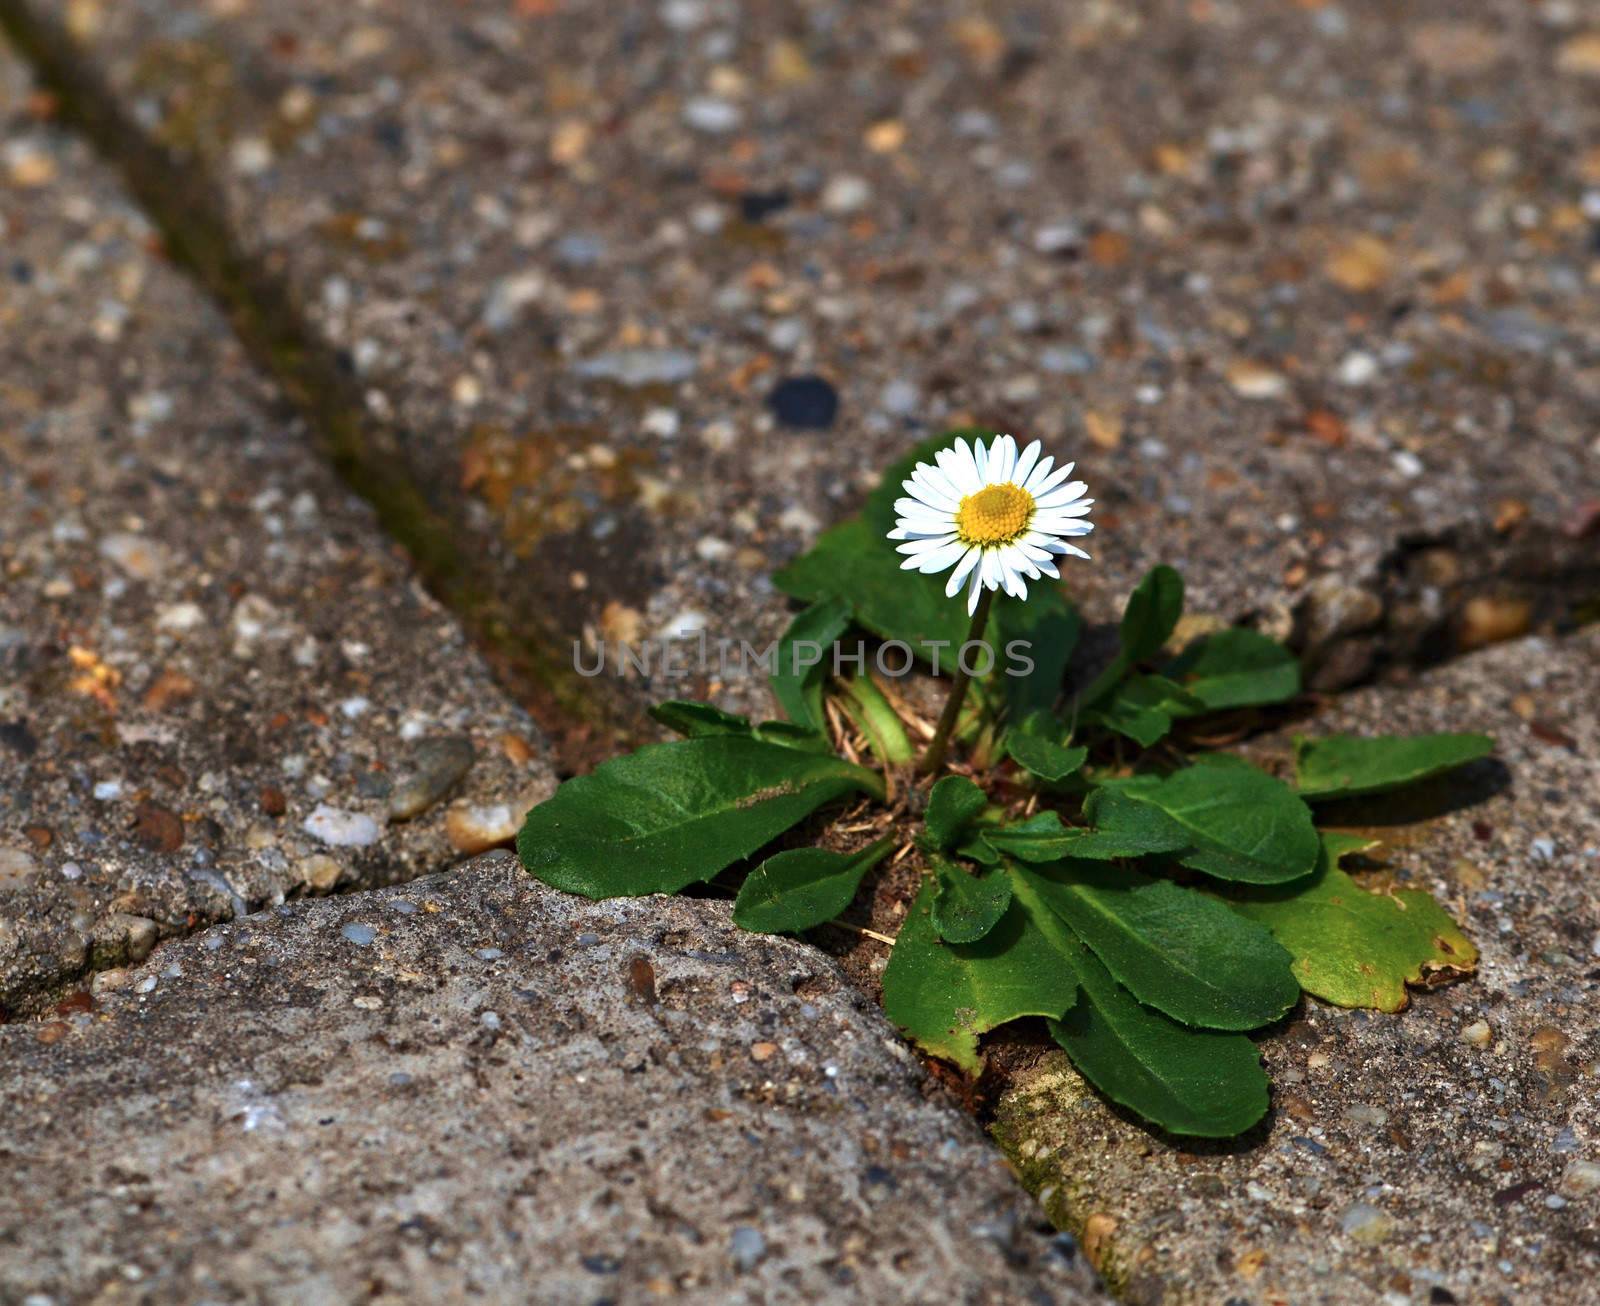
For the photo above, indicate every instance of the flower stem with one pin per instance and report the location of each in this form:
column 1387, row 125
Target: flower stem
column 933, row 759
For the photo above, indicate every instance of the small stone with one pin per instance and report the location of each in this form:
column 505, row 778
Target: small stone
column 251, row 156
column 1058, row 238
column 1251, row 380
column 639, row 367
column 341, row 829
column 804, row 403
column 1488, row 619
column 1357, row 368
column 763, row 1051
column 436, row 767
column 747, row 1246
column 1362, row 1114
column 180, row 617
column 846, row 194
column 17, row 868
column 900, row 398
column 319, row 872
column 138, row 557
column 886, row 137
column 1477, row 1034
column 358, row 934
column 707, row 113
column 1366, row 1223
column 478, row 827
column 1361, row 264
column 1581, row 1179
column 1579, row 55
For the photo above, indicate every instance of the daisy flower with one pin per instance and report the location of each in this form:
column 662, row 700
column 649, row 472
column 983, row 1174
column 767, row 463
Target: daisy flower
column 996, row 516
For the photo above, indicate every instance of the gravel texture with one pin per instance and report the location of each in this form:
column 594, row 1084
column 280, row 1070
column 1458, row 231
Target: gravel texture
column 1294, row 283
column 1447, row 1154
column 471, row 1088
column 220, row 685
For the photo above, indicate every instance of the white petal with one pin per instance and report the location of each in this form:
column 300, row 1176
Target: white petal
column 980, row 456
column 1051, row 481
column 1003, row 460
column 1024, row 467
column 977, row 589
column 967, row 564
column 1061, row 494
column 1076, row 553
column 926, row 544
column 931, row 485
column 1036, row 477
column 940, row 558
column 959, row 472
column 991, row 568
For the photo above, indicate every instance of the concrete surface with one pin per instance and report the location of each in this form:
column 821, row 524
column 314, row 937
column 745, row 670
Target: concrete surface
column 220, row 685
column 472, row 1088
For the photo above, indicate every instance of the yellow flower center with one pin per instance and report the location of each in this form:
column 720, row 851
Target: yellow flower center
column 996, row 514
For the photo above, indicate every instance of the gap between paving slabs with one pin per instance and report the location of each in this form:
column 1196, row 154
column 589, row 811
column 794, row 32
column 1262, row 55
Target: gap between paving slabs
column 585, row 719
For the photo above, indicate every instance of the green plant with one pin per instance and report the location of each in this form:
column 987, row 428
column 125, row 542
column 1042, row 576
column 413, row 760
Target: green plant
column 1088, row 861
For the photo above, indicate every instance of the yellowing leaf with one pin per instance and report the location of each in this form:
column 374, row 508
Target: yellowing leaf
column 1353, row 947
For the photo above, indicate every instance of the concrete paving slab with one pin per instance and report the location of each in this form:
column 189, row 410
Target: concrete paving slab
column 1450, row 1153
column 472, row 1088
column 220, row 684
column 1296, row 284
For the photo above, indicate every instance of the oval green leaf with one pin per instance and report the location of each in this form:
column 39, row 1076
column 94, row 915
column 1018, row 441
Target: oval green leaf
column 952, row 806
column 673, row 814
column 1237, row 668
column 943, row 995
column 1355, row 948
column 1342, row 766
column 804, row 659
column 966, row 907
column 802, row 888
column 1173, row 948
column 1198, row 1082
column 1238, row 823
column 1044, row 757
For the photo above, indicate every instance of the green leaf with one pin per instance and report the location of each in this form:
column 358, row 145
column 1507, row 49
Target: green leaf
column 1152, row 613
column 945, row 995
column 673, row 814
column 702, row 720
column 1237, row 668
column 787, row 734
column 978, row 849
column 1236, row 823
column 1032, row 747
column 802, row 888
column 1173, row 948
column 797, row 682
column 966, row 907
column 952, row 806
column 855, row 562
column 1199, row 1082
column 1144, row 707
column 1134, row 830
column 1356, row 948
column 699, row 720
column 1044, row 630
column 1148, row 620
column 1340, row 766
